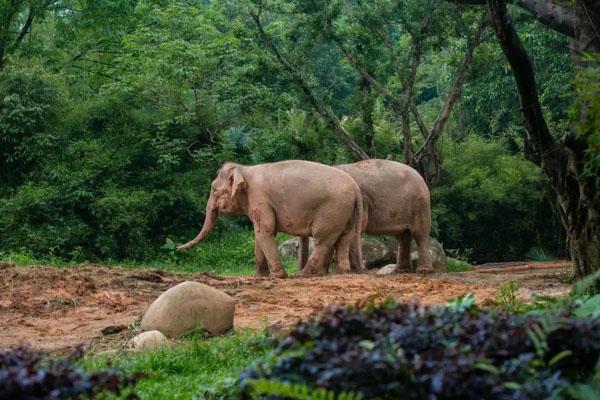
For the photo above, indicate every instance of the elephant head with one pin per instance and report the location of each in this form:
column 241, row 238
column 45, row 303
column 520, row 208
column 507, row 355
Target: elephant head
column 227, row 197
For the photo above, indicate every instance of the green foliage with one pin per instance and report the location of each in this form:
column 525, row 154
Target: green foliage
column 485, row 186
column 506, row 295
column 30, row 106
column 538, row 254
column 461, row 303
column 269, row 387
column 116, row 114
column 588, row 286
column 587, row 112
column 456, row 265
column 207, row 368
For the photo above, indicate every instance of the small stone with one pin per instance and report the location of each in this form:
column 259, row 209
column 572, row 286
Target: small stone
column 112, row 329
column 387, row 270
column 148, row 341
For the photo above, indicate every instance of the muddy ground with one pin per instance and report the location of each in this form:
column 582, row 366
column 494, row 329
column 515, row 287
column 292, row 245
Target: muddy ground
column 56, row 309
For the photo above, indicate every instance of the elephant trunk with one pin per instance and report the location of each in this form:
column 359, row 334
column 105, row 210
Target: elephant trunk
column 212, row 213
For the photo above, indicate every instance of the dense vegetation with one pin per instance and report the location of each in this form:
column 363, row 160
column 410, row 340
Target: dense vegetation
column 115, row 115
column 33, row 374
column 412, row 352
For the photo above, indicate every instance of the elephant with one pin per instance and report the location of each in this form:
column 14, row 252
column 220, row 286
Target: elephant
column 301, row 198
column 396, row 202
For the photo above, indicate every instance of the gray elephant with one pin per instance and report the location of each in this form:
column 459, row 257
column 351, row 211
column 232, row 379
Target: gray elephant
column 396, row 203
column 300, row 198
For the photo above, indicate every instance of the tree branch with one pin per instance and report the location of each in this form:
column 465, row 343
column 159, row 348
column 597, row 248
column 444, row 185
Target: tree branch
column 24, row 30
column 562, row 19
column 329, row 117
column 544, row 150
column 455, row 90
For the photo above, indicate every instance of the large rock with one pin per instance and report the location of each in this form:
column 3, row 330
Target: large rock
column 147, row 341
column 438, row 257
column 378, row 251
column 190, row 306
column 375, row 251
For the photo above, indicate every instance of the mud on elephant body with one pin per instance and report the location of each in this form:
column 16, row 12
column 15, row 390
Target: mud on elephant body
column 396, row 203
column 301, row 198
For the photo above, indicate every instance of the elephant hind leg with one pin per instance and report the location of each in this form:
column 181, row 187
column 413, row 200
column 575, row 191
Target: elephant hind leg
column 403, row 261
column 342, row 253
column 302, row 252
column 356, row 263
column 423, row 247
column 319, row 258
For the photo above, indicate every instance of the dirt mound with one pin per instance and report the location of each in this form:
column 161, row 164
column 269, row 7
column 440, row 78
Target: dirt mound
column 57, row 308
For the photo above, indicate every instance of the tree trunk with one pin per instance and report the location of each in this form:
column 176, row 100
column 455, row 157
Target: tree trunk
column 367, row 105
column 561, row 163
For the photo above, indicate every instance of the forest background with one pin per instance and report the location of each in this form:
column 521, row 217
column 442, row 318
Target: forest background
column 116, row 114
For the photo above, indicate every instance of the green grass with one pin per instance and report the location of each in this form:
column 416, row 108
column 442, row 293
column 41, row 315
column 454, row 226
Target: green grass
column 539, row 254
column 228, row 254
column 197, row 368
column 455, row 265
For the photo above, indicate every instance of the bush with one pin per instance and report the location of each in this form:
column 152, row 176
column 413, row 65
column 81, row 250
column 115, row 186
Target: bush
column 32, row 374
column 489, row 203
column 412, row 352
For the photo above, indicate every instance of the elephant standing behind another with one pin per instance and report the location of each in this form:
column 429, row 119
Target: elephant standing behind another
column 396, row 202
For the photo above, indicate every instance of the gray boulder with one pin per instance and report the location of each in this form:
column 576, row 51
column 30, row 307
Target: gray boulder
column 375, row 251
column 438, row 257
column 190, row 306
column 378, row 251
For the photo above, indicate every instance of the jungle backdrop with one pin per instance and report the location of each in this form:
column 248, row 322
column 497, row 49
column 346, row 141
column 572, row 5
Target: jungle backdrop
column 116, row 114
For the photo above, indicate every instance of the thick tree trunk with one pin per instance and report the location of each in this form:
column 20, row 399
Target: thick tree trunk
column 561, row 163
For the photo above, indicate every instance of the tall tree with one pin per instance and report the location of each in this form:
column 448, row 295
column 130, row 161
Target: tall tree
column 562, row 161
column 16, row 21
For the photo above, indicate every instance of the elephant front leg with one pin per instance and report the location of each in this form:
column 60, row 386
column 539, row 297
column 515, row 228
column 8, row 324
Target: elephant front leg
column 264, row 231
column 262, row 267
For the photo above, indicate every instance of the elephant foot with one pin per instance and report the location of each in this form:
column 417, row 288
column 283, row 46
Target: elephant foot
column 280, row 274
column 262, row 274
column 425, row 270
column 311, row 272
column 343, row 271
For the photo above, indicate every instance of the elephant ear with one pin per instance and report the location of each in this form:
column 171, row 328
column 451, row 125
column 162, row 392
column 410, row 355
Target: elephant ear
column 238, row 184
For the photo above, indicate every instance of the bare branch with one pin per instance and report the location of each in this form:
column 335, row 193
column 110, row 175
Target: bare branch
column 562, row 19
column 24, row 30
column 543, row 149
column 329, row 117
column 455, row 90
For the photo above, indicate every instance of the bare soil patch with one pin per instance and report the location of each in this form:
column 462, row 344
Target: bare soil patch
column 56, row 308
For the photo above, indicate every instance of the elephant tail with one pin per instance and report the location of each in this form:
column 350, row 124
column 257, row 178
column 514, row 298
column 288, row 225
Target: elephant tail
column 358, row 226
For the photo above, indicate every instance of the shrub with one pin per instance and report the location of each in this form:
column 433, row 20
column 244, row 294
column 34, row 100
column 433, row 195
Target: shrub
column 413, row 352
column 484, row 186
column 32, row 374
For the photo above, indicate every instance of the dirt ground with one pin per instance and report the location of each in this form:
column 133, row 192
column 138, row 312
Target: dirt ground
column 56, row 309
